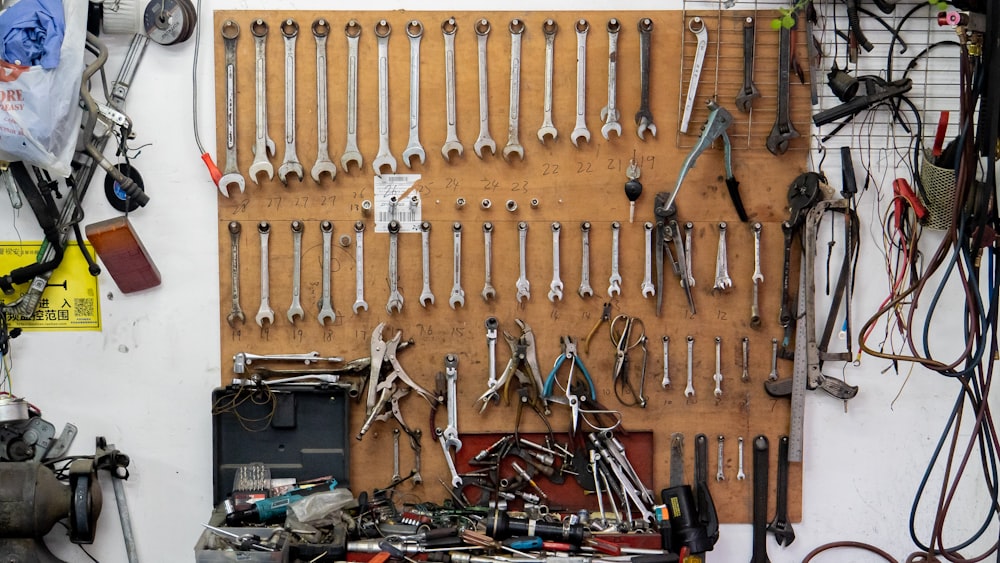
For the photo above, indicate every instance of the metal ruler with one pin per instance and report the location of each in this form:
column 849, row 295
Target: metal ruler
column 799, row 371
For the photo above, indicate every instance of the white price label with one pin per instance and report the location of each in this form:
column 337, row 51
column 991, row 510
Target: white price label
column 397, row 199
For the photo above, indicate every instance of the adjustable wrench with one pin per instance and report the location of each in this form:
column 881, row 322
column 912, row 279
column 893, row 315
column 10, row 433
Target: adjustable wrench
column 414, row 30
column 717, row 377
column 644, row 117
column 666, row 363
column 359, row 267
column 295, row 309
column 647, row 278
column 265, row 312
column 351, row 153
column 395, row 302
column 488, row 291
column 615, row 281
column 451, row 376
column 236, row 314
column 451, row 143
column 291, row 164
column 696, row 26
column 263, row 144
column 457, row 293
column 549, row 29
column 783, row 131
column 523, row 286
column 581, row 131
column 749, row 92
column 516, row 28
column 556, row 287
column 758, row 278
column 384, row 156
column 781, row 527
column 689, row 390
column 722, row 279
column 740, row 474
column 325, row 307
column 485, row 141
column 585, row 289
column 426, row 296
column 323, row 164
column 231, row 173
column 609, row 113
column 760, row 492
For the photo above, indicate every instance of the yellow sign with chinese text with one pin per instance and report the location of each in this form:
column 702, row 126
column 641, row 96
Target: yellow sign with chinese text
column 71, row 300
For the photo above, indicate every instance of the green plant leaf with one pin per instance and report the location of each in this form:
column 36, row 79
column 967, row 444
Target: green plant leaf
column 776, row 24
column 788, row 22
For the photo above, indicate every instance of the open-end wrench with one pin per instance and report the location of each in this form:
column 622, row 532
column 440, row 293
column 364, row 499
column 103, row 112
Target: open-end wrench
column 689, row 390
column 231, row 174
column 396, row 477
column 485, row 141
column 689, row 270
column 585, row 289
column 549, row 29
column 647, row 277
column 760, row 492
column 295, row 309
column 615, row 280
column 581, row 131
column 556, row 287
column 417, row 448
column 263, row 144
column 236, row 314
column 749, row 92
column 426, row 295
column 492, row 326
column 488, row 291
column 513, row 146
column 457, row 293
column 384, row 156
column 395, row 302
column 666, row 363
column 758, row 278
column 781, row 527
column 783, row 130
column 414, row 30
column 265, row 313
column 609, row 113
column 456, row 479
column 325, row 306
column 323, row 164
column 720, row 474
column 351, row 153
column 717, row 377
column 644, row 117
column 696, row 26
column 451, row 143
column 451, row 377
column 740, row 473
column 359, row 267
column 773, row 376
column 722, row 280
column 523, row 286
column 291, row 164
column 745, row 377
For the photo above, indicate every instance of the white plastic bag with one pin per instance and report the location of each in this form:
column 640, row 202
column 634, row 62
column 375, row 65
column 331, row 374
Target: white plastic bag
column 39, row 109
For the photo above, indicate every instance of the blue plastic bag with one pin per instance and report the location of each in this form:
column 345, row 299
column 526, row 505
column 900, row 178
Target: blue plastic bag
column 31, row 33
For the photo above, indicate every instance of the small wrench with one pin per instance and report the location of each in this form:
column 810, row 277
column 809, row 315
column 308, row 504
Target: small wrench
column 719, row 474
column 325, row 306
column 647, row 279
column 516, row 28
column 491, row 344
column 644, row 117
column 581, row 131
column 457, row 293
column 351, row 153
column 615, row 281
column 749, row 92
column 265, row 312
column 451, row 143
column 666, row 363
column 773, row 376
column 359, row 267
column 549, row 29
column 414, row 30
column 231, row 174
column 451, row 376
column 263, row 144
column 291, row 164
column 585, row 289
column 722, row 279
column 426, row 296
column 689, row 390
column 384, row 156
column 323, row 164
column 745, row 377
column 396, row 477
column 417, row 448
column 740, row 473
column 236, row 314
column 523, row 286
column 395, row 302
column 688, row 237
column 696, row 26
column 609, row 113
column 758, row 277
column 485, row 141
column 488, row 291
column 783, row 131
column 556, row 287
column 295, row 309
column 718, row 368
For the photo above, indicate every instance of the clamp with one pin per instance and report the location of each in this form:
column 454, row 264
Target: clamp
column 523, row 364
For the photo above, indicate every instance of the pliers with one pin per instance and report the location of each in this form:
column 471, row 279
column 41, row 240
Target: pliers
column 572, row 398
column 384, row 392
column 523, row 364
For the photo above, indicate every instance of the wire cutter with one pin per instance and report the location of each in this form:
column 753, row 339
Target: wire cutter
column 523, row 364
column 571, row 398
column 385, row 392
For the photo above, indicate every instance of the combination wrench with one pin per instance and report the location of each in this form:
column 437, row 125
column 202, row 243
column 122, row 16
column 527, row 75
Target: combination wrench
column 689, row 270
column 323, row 164
column 609, row 113
column 351, row 153
column 485, row 141
column 758, row 278
column 396, row 477
column 457, row 293
column 488, row 291
column 522, row 285
column 291, row 164
column 414, row 30
column 581, row 131
column 644, row 117
column 689, row 389
column 263, row 144
column 556, row 286
column 647, row 278
column 749, row 92
column 783, row 131
column 417, row 450
column 717, row 377
column 295, row 309
column 492, row 326
column 384, row 156
column 426, row 295
column 615, row 281
column 325, row 306
column 549, row 29
column 585, row 289
column 513, row 146
column 696, row 26
column 231, row 173
column 722, row 280
column 720, row 460
column 264, row 313
column 745, row 376
column 236, row 314
column 359, row 267
column 395, row 302
column 451, row 377
column 665, row 383
column 451, row 143
column 740, row 473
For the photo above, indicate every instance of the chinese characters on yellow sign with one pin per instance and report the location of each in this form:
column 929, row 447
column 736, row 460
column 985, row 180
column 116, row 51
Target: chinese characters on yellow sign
column 71, row 300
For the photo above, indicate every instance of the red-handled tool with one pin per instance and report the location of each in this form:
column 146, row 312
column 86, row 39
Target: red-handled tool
column 213, row 170
column 901, row 189
column 942, row 128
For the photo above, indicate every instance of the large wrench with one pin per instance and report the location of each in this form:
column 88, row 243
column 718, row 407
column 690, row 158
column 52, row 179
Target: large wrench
column 457, row 293
column 644, row 117
column 456, row 479
column 523, row 286
column 758, row 278
column 585, row 289
column 426, row 296
column 647, row 279
column 295, row 309
column 231, row 173
column 556, row 287
column 488, row 291
column 359, row 267
column 609, row 113
column 581, row 131
column 722, row 280
column 549, row 29
column 395, row 302
column 265, row 312
column 325, row 306
column 384, row 156
column 451, row 377
column 263, row 144
column 323, row 164
column 236, row 314
column 351, row 153
column 783, row 131
column 516, row 28
column 291, row 164
column 749, row 92
column 615, row 281
column 696, row 26
column 451, row 143
column 414, row 30
column 485, row 141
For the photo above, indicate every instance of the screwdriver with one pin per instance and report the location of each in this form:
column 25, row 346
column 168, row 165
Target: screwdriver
column 633, row 189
